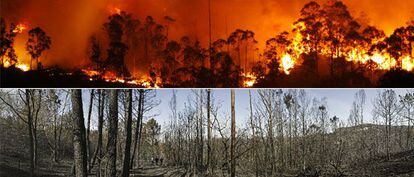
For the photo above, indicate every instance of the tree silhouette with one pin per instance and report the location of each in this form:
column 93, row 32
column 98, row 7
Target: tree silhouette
column 224, row 72
column 241, row 38
column 117, row 49
column 340, row 28
column 312, row 18
column 399, row 44
column 95, row 53
column 38, row 42
column 275, row 48
column 171, row 62
column 6, row 44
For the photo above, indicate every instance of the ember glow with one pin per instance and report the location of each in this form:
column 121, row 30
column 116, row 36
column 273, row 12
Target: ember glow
column 111, row 77
column 114, row 10
column 249, row 80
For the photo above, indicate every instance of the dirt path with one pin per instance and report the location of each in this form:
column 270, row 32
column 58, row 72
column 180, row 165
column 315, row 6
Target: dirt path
column 158, row 171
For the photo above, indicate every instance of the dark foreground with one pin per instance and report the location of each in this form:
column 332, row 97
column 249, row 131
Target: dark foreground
column 53, row 78
column 57, row 78
column 399, row 165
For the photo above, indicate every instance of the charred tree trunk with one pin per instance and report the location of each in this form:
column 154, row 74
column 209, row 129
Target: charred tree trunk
column 88, row 142
column 79, row 142
column 128, row 129
column 98, row 153
column 138, row 127
column 233, row 136
column 200, row 136
column 30, row 130
column 112, row 131
column 55, row 143
column 209, row 152
column 272, row 142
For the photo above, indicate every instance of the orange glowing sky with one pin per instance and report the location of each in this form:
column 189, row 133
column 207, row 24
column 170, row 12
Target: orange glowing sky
column 71, row 22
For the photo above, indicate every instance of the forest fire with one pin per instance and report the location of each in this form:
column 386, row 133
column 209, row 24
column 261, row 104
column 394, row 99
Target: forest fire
column 128, row 49
column 113, row 78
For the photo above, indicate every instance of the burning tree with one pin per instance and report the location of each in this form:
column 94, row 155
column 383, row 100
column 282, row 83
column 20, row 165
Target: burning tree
column 400, row 46
column 326, row 43
column 7, row 42
column 38, row 42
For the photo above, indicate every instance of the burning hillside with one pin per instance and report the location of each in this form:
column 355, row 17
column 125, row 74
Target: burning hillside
column 326, row 43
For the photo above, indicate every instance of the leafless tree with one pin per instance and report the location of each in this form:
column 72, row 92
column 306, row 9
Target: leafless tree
column 386, row 108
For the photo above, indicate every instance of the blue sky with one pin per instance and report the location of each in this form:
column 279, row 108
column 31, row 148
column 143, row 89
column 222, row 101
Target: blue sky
column 339, row 102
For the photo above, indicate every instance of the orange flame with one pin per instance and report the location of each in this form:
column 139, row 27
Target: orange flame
column 112, row 77
column 114, row 10
column 20, row 28
column 249, row 79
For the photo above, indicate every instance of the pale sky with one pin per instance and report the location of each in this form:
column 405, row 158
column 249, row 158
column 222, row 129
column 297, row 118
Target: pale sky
column 339, row 102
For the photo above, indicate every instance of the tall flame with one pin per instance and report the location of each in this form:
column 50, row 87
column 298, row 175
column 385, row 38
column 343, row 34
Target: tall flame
column 287, row 63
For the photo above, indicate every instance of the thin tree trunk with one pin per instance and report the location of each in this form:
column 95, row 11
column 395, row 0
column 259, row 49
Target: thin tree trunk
column 128, row 129
column 272, row 142
column 255, row 154
column 88, row 142
column 35, row 118
column 303, row 142
column 30, row 129
column 55, row 143
column 100, row 128
column 209, row 152
column 137, row 128
column 233, row 136
column 200, row 128
column 140, row 127
column 98, row 151
column 79, row 142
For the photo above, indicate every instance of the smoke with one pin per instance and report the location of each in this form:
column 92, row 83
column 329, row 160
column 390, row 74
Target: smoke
column 71, row 23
